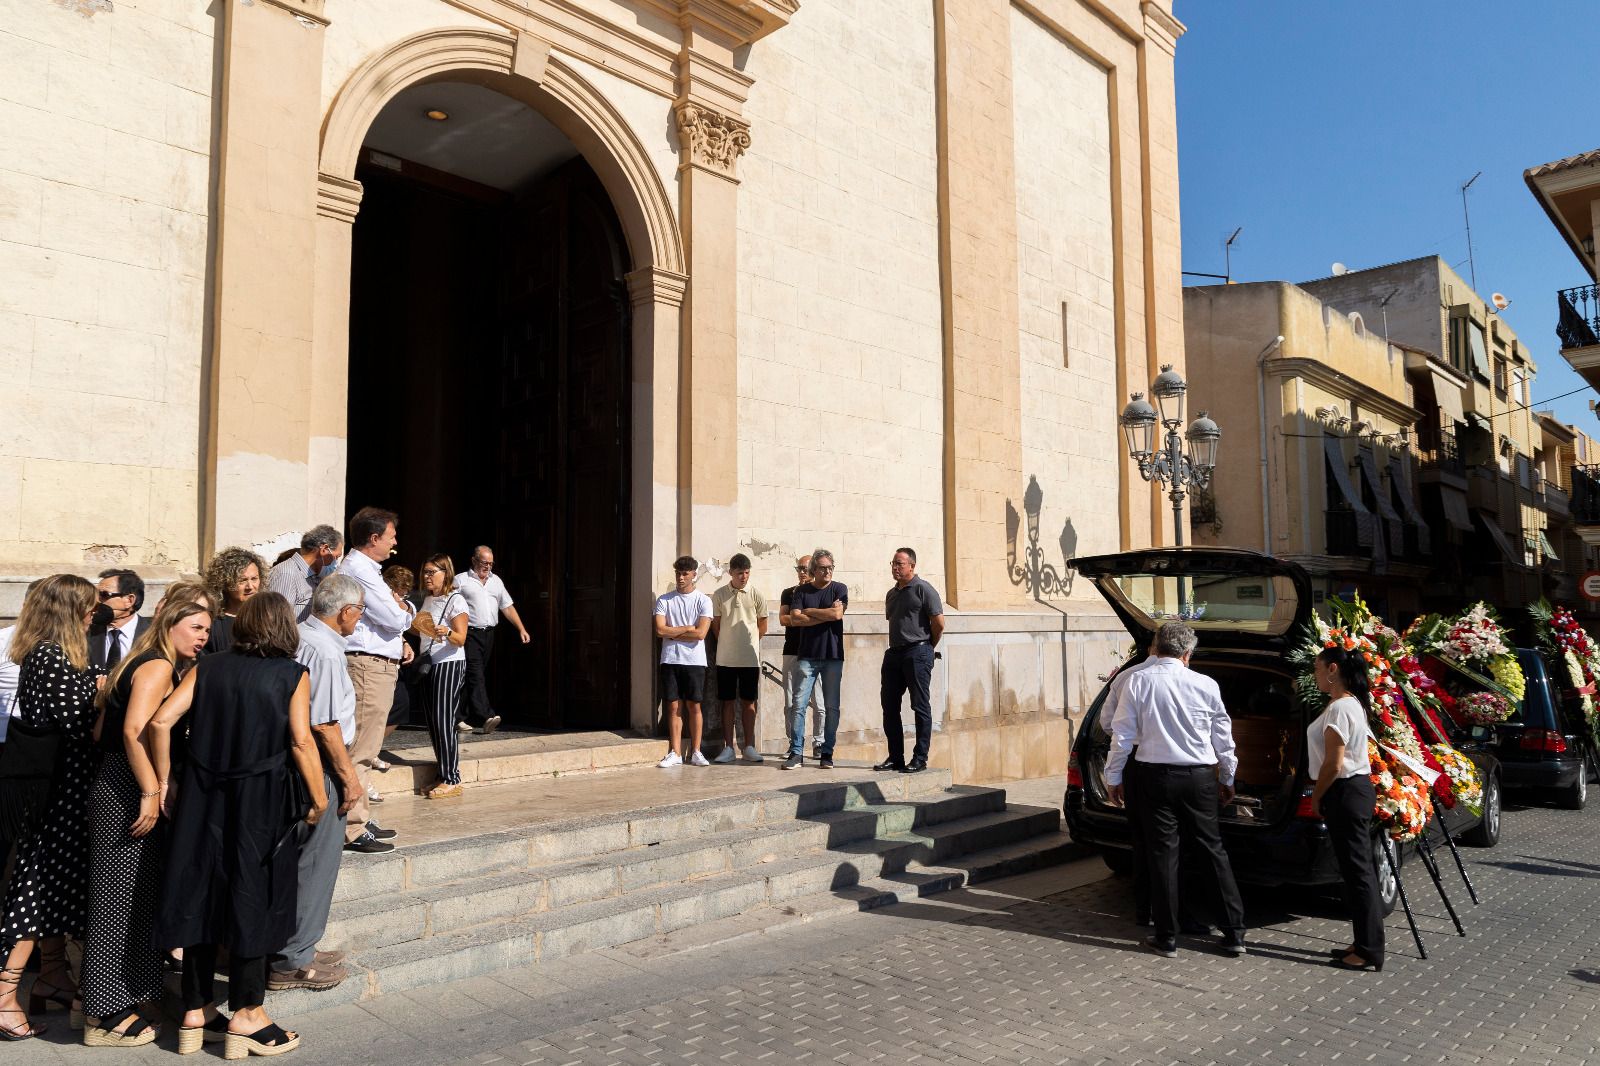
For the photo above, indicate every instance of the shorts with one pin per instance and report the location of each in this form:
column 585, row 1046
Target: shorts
column 680, row 681
column 738, row 683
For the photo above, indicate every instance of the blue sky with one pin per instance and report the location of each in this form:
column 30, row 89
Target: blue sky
column 1342, row 132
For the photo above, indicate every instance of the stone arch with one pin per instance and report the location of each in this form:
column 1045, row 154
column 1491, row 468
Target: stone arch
column 522, row 67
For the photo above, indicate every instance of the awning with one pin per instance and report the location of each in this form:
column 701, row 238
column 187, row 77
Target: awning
column 1455, row 508
column 1408, row 505
column 1369, row 467
column 1366, row 522
column 1502, row 542
column 1547, row 549
column 1448, row 393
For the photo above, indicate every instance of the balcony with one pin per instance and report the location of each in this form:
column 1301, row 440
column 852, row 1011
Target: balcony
column 1585, row 506
column 1445, row 458
column 1578, row 324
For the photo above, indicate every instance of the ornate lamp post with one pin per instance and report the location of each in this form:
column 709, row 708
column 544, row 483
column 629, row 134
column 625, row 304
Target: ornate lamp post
column 1171, row 465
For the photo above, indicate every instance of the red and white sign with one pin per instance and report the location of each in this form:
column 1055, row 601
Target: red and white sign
column 1591, row 585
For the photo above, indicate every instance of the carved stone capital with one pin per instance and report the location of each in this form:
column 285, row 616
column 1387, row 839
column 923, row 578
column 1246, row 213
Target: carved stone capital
column 652, row 285
column 710, row 138
column 338, row 198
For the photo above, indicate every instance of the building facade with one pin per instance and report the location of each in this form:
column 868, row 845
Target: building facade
column 600, row 284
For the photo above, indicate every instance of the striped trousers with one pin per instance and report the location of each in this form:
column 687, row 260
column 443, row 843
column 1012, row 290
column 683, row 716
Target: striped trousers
column 441, row 694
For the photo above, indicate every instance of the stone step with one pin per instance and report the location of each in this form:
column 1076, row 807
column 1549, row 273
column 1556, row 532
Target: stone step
column 538, row 845
column 494, row 759
column 396, row 917
column 697, row 914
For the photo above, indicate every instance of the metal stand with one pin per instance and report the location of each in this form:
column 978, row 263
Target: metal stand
column 1389, row 849
column 1450, row 840
column 1425, row 849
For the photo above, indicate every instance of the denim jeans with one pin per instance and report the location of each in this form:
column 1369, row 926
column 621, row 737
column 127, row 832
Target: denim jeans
column 809, row 673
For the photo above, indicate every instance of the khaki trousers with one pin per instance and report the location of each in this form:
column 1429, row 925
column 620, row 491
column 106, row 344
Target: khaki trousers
column 374, row 681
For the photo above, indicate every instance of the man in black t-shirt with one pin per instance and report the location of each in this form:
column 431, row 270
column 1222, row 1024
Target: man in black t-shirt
column 916, row 622
column 816, row 611
column 791, row 658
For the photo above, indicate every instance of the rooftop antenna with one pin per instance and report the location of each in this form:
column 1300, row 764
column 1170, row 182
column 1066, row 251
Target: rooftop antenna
column 1471, row 263
column 1227, row 256
column 1384, row 307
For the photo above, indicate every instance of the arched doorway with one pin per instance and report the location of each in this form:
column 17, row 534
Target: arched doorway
column 490, row 380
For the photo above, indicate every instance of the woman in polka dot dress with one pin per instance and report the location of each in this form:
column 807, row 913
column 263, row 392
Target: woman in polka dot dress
column 46, row 899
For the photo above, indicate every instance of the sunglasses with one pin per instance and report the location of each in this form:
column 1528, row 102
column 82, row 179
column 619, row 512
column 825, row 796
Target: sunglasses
column 104, row 595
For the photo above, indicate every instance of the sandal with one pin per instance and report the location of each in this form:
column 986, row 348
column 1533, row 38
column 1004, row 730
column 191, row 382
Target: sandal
column 106, row 1034
column 13, row 978
column 191, row 1037
column 268, row 1040
column 51, row 966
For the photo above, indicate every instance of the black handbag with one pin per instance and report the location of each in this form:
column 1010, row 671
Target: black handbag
column 29, row 765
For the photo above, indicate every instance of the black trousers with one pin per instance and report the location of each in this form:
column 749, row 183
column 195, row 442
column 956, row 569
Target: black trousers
column 474, row 706
column 1179, row 804
column 247, row 978
column 907, row 669
column 1347, row 810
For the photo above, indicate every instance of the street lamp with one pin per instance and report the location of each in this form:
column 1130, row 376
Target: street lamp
column 1171, row 466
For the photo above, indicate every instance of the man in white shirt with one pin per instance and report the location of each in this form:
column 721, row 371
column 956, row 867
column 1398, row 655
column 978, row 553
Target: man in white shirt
column 296, row 577
column 487, row 599
column 1185, row 766
column 682, row 619
column 336, row 607
column 373, row 652
column 116, row 623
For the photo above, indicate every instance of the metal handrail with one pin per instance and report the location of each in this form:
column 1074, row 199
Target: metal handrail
column 1578, row 316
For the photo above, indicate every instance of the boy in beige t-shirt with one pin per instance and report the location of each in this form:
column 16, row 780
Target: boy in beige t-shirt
column 739, row 620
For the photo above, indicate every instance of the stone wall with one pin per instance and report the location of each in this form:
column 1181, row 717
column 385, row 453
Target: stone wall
column 840, row 410
column 105, row 177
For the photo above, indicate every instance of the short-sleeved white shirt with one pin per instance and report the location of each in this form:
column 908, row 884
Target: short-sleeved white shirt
column 683, row 609
column 1346, row 717
column 485, row 599
column 443, row 609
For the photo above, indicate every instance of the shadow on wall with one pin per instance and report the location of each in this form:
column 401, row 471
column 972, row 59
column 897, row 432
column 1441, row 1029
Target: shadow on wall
column 1041, row 578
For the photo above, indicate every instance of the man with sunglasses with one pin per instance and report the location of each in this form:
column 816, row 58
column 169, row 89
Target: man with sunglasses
column 817, row 610
column 117, row 623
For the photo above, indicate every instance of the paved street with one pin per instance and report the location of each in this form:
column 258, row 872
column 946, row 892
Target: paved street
column 1041, row 968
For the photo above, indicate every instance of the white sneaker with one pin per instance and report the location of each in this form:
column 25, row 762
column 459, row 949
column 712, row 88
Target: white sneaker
column 373, row 795
column 751, row 754
column 672, row 759
column 728, row 755
column 697, row 759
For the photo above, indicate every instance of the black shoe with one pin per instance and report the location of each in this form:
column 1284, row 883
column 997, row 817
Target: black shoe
column 1166, row 949
column 1232, row 944
column 793, row 762
column 915, row 766
column 825, row 763
column 891, row 763
column 367, row 844
column 380, row 832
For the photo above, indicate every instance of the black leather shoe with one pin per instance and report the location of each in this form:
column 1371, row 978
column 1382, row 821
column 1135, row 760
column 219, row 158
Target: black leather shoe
column 367, row 844
column 1165, row 948
column 380, row 832
column 825, row 763
column 1232, row 944
column 915, row 766
column 890, row 764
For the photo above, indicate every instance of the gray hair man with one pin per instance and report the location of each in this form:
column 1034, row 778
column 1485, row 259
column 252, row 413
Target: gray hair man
column 336, row 606
column 817, row 610
column 296, row 577
column 487, row 602
column 1184, row 768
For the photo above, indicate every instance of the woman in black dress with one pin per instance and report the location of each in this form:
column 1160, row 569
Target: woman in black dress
column 121, row 966
column 233, row 862
column 233, row 575
column 45, row 898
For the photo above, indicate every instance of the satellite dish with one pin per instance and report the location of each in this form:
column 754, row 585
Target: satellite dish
column 1499, row 300
column 1340, row 268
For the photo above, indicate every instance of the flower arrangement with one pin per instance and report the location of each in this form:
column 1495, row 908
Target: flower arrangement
column 1483, row 708
column 1560, row 632
column 1464, row 780
column 1403, row 808
column 1473, row 644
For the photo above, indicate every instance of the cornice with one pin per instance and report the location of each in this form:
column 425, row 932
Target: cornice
column 338, row 198
column 310, row 10
column 649, row 285
column 745, row 21
column 1326, row 376
column 1161, row 25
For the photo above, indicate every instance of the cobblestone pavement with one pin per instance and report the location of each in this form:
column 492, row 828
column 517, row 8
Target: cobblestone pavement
column 1039, row 969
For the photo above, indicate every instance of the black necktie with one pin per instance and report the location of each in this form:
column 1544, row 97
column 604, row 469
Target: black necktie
column 114, row 653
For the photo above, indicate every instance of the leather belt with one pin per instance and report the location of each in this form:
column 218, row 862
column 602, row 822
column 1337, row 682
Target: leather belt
column 370, row 655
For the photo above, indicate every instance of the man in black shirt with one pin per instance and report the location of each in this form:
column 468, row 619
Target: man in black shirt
column 791, row 658
column 817, row 611
column 916, row 622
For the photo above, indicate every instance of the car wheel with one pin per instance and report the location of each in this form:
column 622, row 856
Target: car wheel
column 1121, row 862
column 1486, row 834
column 1575, row 795
column 1388, row 883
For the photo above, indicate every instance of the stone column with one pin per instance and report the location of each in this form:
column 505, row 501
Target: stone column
column 338, row 199
column 261, row 382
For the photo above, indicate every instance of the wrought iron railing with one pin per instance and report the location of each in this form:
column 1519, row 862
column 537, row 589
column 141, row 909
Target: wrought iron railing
column 1578, row 322
column 1586, row 495
column 1446, row 455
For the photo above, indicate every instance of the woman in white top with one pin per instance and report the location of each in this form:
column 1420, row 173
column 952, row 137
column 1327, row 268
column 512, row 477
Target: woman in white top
column 444, row 651
column 1336, row 758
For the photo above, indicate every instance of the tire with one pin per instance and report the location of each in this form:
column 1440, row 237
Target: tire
column 1486, row 834
column 1575, row 795
column 1120, row 861
column 1388, row 884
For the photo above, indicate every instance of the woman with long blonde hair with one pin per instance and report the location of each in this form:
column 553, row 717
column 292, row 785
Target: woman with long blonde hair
column 45, row 803
column 122, row 968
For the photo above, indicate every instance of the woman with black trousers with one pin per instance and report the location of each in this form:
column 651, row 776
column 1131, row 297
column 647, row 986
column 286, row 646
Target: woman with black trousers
column 1336, row 758
column 232, row 869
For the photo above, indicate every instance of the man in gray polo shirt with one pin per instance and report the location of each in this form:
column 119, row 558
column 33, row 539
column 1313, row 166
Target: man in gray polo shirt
column 916, row 622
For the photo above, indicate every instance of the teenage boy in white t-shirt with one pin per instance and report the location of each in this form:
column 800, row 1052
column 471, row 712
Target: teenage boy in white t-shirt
column 682, row 620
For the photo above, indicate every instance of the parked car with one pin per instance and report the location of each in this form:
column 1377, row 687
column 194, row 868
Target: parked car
column 1541, row 746
column 1248, row 610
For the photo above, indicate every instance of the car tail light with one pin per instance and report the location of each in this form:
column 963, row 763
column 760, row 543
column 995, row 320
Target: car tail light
column 1543, row 740
column 1307, row 808
column 1074, row 775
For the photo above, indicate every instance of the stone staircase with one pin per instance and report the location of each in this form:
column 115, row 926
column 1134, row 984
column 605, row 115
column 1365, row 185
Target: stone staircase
column 671, row 877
